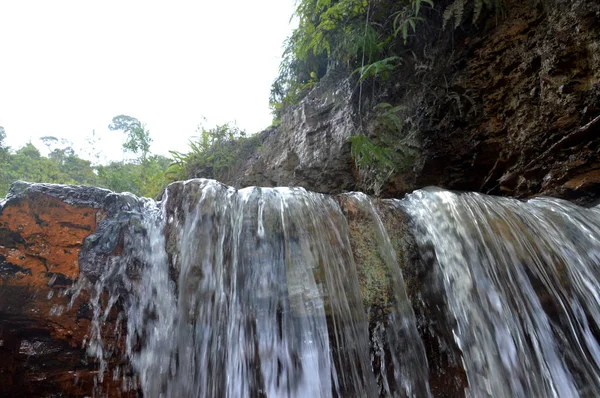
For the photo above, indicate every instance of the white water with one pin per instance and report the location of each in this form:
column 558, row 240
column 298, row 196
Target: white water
column 522, row 283
column 250, row 293
column 255, row 293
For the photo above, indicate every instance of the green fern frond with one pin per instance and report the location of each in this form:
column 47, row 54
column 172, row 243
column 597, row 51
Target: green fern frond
column 477, row 7
column 388, row 115
column 379, row 68
column 456, row 11
column 368, row 154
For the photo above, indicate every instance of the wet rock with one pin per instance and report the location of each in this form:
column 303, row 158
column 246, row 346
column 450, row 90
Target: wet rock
column 486, row 116
column 42, row 228
column 446, row 374
column 589, row 180
column 308, row 149
column 373, row 273
column 532, row 81
column 115, row 236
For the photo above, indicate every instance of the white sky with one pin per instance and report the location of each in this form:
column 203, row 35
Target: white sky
column 68, row 66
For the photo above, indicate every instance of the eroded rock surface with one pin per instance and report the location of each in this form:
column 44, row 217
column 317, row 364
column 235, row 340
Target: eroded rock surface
column 510, row 107
column 42, row 334
column 521, row 117
column 310, row 147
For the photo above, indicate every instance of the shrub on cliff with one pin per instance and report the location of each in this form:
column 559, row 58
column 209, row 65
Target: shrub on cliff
column 215, row 153
column 371, row 39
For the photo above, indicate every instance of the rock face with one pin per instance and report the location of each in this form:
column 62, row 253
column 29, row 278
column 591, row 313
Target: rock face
column 42, row 333
column 56, row 241
column 309, row 148
column 511, row 107
column 521, row 117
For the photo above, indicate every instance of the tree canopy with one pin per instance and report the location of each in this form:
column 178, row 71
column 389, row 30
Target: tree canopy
column 143, row 176
column 137, row 137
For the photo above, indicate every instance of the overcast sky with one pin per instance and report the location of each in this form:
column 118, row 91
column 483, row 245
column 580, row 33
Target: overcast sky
column 68, row 67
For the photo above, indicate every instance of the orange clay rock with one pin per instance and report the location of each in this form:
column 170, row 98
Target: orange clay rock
column 42, row 228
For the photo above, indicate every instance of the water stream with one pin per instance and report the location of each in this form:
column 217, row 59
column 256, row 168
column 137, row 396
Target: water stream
column 522, row 283
column 257, row 293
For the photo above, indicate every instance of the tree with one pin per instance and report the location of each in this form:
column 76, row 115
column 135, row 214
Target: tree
column 49, row 141
column 4, row 149
column 2, row 136
column 137, row 137
column 5, row 177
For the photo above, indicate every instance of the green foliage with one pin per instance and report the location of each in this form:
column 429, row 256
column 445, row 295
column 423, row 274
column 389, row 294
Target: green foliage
column 145, row 176
column 146, row 179
column 366, row 153
column 387, row 153
column 119, row 177
column 215, row 153
column 379, row 68
column 378, row 156
column 366, row 36
column 387, row 115
column 137, row 139
column 457, row 11
column 361, row 35
column 408, row 17
column 62, row 166
column 4, row 163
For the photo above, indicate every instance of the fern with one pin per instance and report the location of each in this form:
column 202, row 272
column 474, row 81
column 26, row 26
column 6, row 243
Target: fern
column 368, row 154
column 456, row 12
column 375, row 159
column 379, row 68
column 388, row 116
column 408, row 17
column 477, row 7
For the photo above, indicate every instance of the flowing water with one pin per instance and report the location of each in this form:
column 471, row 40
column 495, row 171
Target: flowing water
column 249, row 293
column 521, row 282
column 256, row 293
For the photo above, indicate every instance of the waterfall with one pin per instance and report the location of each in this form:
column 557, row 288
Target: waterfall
column 282, row 292
column 250, row 293
column 521, row 280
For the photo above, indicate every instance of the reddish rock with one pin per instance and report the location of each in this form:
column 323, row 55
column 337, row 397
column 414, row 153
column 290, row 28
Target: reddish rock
column 42, row 352
column 583, row 181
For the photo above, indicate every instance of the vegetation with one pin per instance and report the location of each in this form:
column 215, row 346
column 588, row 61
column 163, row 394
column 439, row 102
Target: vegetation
column 458, row 10
column 142, row 175
column 369, row 39
column 215, row 153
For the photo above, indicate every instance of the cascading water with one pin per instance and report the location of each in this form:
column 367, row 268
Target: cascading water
column 401, row 331
column 258, row 293
column 249, row 293
column 250, row 308
column 522, row 284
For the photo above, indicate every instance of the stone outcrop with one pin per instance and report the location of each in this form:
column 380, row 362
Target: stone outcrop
column 56, row 241
column 510, row 107
column 520, row 116
column 43, row 324
column 310, row 147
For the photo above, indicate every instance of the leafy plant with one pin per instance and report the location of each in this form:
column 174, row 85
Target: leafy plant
column 456, row 11
column 213, row 154
column 379, row 68
column 137, row 137
column 388, row 116
column 144, row 177
column 409, row 17
column 358, row 35
column 368, row 154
